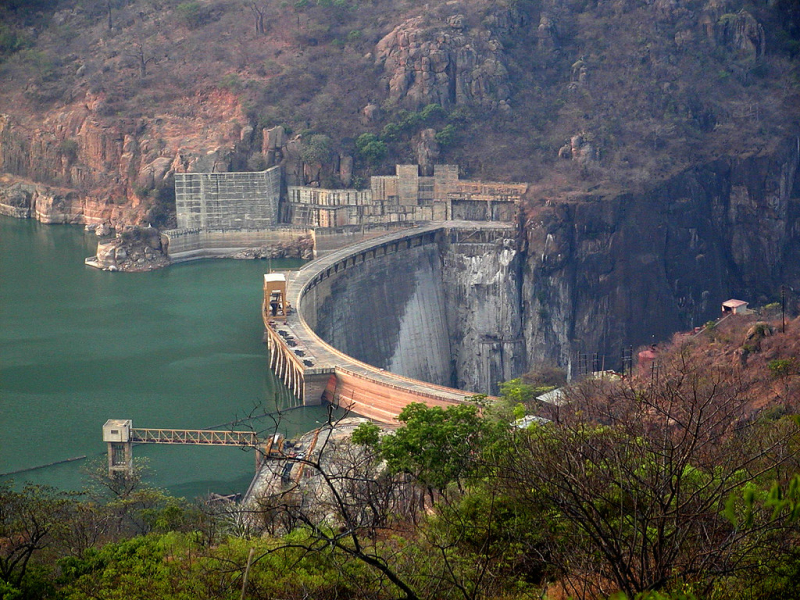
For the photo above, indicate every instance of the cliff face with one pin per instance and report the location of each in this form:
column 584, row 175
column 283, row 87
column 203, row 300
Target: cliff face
column 75, row 166
column 604, row 273
column 482, row 285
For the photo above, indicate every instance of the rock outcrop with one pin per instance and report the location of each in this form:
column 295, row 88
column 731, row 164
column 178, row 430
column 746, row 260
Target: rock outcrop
column 602, row 273
column 76, row 165
column 135, row 250
column 445, row 63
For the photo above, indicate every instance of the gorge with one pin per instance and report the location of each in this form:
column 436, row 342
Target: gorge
column 659, row 141
column 593, row 276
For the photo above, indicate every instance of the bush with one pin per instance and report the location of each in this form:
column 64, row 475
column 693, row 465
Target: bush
column 391, row 132
column 447, row 136
column 317, row 148
column 11, row 40
column 782, row 367
column 231, row 82
column 370, row 148
column 432, row 112
column 192, row 14
column 257, row 162
column 69, row 149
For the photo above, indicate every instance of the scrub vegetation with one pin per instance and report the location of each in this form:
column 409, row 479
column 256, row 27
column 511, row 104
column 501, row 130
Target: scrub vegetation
column 650, row 88
column 680, row 482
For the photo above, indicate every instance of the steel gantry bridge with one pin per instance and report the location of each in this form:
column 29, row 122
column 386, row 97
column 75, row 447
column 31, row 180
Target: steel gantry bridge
column 194, row 436
column 120, row 436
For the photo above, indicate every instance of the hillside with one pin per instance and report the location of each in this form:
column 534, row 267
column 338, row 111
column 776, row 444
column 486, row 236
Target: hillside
column 679, row 483
column 106, row 98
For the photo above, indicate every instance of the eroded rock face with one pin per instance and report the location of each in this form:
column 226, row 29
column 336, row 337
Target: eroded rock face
column 445, row 63
column 77, row 166
column 602, row 273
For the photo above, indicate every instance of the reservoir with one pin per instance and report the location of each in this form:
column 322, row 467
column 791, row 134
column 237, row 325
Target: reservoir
column 176, row 348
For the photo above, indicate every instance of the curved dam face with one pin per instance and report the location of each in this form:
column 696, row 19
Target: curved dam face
column 443, row 307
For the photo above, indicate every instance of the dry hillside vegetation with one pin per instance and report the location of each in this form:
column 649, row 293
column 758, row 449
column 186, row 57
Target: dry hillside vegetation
column 624, row 92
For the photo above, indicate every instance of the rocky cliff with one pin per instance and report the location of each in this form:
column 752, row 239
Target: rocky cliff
column 106, row 101
column 77, row 166
column 602, row 273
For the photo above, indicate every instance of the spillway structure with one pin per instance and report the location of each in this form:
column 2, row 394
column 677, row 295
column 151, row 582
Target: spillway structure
column 421, row 315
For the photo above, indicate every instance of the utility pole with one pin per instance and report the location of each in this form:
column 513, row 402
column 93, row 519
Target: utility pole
column 783, row 309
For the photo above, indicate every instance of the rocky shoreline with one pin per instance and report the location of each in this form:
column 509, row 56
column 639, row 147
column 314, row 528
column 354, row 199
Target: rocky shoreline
column 130, row 255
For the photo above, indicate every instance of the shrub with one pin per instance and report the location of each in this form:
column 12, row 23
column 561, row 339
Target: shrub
column 391, row 132
column 192, row 14
column 69, row 149
column 231, row 82
column 257, row 162
column 432, row 112
column 317, row 148
column 447, row 136
column 782, row 367
column 11, row 40
column 370, row 148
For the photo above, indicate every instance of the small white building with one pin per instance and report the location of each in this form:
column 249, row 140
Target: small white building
column 735, row 307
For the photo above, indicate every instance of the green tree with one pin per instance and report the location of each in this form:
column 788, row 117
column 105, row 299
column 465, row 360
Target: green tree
column 431, row 113
column 367, row 434
column 371, row 149
column 316, row 149
column 437, row 446
column 30, row 521
column 447, row 136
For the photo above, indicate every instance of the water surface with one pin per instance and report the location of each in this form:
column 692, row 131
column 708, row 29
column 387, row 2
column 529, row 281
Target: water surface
column 176, row 348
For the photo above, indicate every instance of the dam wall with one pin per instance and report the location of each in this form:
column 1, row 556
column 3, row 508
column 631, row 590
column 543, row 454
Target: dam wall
column 438, row 304
column 367, row 327
column 190, row 244
column 388, row 312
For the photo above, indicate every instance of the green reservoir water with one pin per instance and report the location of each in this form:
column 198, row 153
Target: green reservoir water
column 176, row 348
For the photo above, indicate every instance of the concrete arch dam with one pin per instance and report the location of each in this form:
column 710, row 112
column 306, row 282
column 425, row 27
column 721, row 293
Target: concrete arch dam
column 416, row 316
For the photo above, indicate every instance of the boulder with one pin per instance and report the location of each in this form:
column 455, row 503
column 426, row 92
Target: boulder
column 447, row 65
column 370, row 114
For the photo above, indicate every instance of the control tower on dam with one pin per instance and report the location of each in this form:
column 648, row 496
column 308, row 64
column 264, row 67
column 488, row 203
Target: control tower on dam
column 429, row 314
